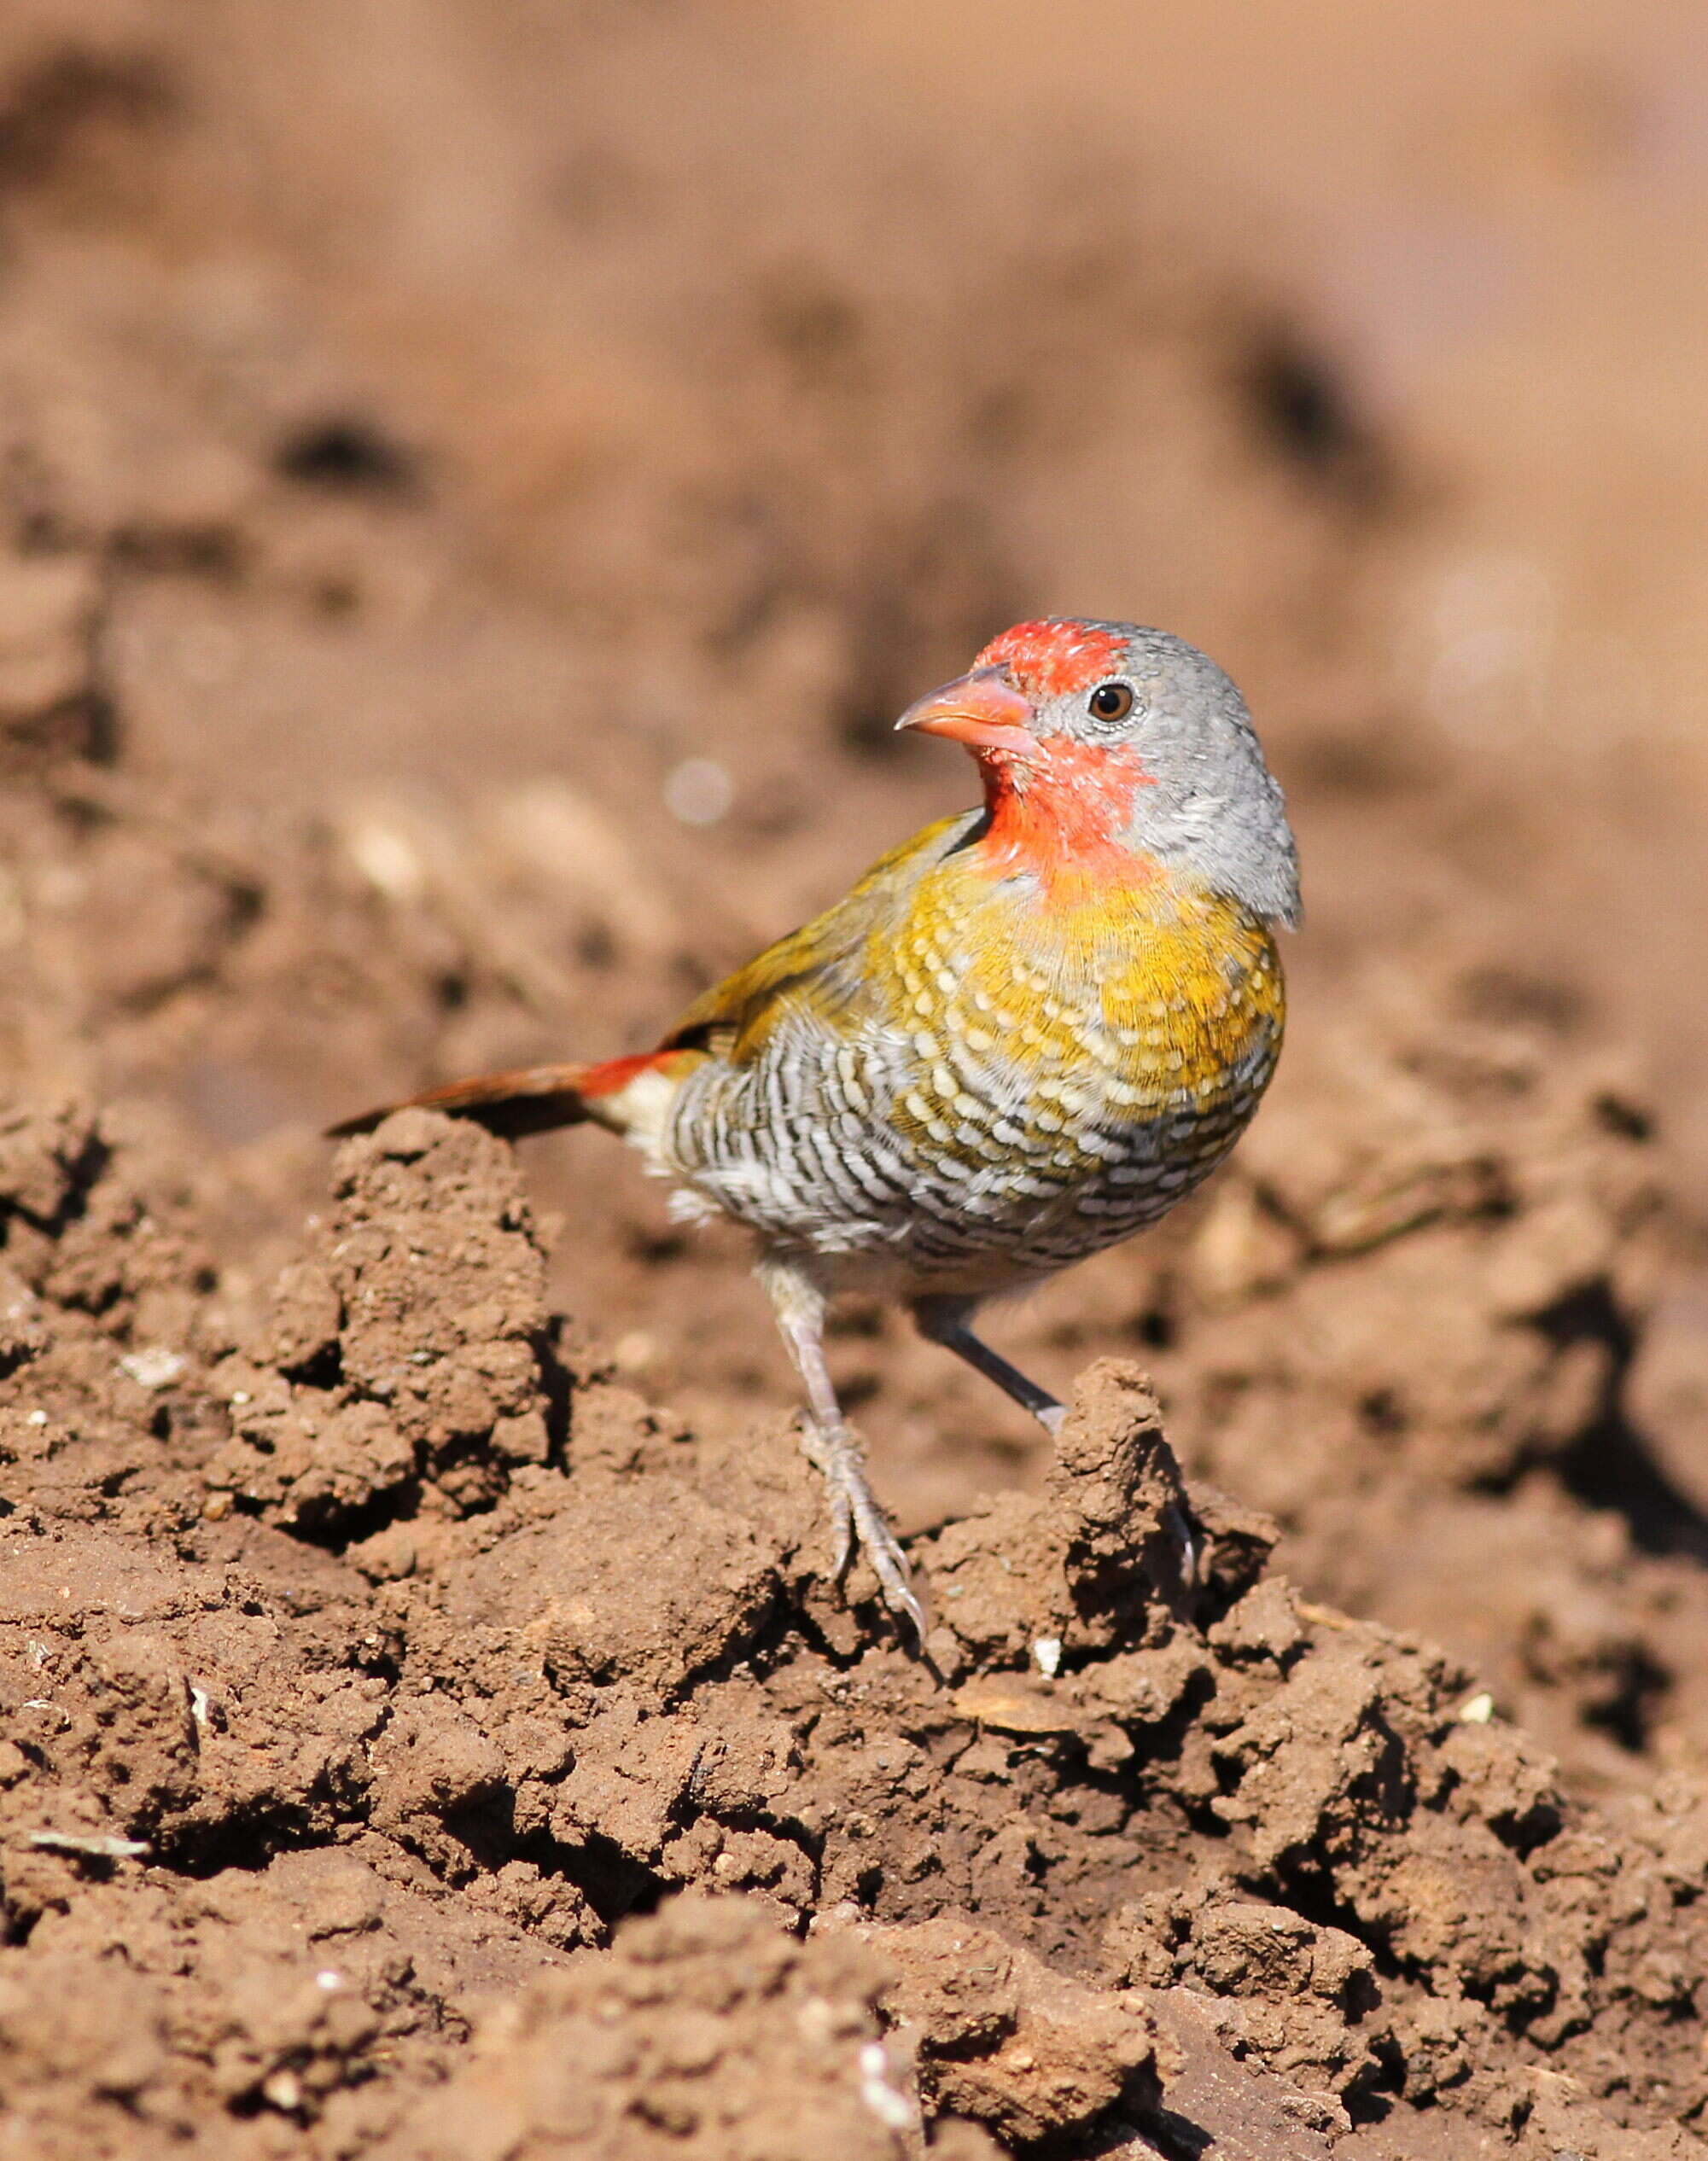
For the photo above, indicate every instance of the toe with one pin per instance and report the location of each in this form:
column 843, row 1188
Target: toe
column 842, row 1535
column 1181, row 1524
column 900, row 1589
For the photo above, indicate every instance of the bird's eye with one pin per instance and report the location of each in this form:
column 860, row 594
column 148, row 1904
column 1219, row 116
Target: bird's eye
column 1109, row 702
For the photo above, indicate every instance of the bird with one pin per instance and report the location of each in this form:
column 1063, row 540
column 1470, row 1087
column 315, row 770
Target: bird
column 1022, row 1035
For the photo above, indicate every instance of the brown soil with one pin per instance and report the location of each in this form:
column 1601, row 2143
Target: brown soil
column 446, row 451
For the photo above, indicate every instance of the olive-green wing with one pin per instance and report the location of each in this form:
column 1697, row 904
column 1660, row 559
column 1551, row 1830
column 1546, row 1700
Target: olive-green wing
column 823, row 963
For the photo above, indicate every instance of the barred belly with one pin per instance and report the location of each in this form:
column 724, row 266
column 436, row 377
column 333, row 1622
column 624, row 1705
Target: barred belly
column 966, row 1171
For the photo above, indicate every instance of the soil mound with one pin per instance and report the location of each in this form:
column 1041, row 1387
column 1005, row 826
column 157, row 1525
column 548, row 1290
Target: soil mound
column 394, row 1698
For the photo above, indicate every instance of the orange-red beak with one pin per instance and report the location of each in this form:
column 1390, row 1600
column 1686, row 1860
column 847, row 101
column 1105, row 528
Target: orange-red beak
column 983, row 710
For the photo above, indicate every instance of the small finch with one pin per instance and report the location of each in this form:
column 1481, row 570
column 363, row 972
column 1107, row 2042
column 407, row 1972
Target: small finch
column 1024, row 1035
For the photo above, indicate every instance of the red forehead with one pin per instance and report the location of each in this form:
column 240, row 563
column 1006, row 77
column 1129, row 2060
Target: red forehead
column 1056, row 658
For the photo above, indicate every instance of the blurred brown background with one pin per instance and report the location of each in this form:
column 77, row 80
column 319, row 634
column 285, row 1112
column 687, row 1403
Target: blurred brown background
column 481, row 479
column 491, row 393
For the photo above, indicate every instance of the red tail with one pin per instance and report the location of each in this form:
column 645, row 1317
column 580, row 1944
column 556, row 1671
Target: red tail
column 534, row 1100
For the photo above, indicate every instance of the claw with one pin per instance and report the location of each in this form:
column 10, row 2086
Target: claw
column 1180, row 1524
column 896, row 1580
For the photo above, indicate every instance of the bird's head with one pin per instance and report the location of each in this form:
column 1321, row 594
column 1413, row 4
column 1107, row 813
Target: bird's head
column 1092, row 736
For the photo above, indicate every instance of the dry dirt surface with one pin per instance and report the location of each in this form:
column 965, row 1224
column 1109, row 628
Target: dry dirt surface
column 475, row 483
column 419, row 1745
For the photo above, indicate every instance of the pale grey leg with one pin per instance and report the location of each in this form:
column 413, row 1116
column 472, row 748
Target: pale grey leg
column 945, row 1321
column 832, row 1447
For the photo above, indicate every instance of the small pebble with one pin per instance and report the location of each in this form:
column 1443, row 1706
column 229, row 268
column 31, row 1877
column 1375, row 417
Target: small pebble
column 698, row 792
column 155, row 1368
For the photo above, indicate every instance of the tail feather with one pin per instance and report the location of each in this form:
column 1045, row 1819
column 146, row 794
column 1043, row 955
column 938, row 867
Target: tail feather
column 533, row 1100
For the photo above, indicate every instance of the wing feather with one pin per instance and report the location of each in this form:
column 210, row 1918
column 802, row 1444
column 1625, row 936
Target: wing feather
column 823, row 963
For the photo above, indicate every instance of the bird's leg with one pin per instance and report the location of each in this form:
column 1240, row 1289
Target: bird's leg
column 831, row 1446
column 946, row 1321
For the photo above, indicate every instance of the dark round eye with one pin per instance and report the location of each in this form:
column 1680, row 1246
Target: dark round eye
column 1109, row 702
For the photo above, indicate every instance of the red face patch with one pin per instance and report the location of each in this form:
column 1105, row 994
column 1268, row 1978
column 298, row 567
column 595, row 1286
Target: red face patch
column 1053, row 660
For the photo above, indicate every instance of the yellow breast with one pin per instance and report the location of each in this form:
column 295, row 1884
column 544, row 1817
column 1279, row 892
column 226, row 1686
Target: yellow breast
column 1154, row 991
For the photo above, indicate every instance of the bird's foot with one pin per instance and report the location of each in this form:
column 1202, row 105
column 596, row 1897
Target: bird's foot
column 855, row 1517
